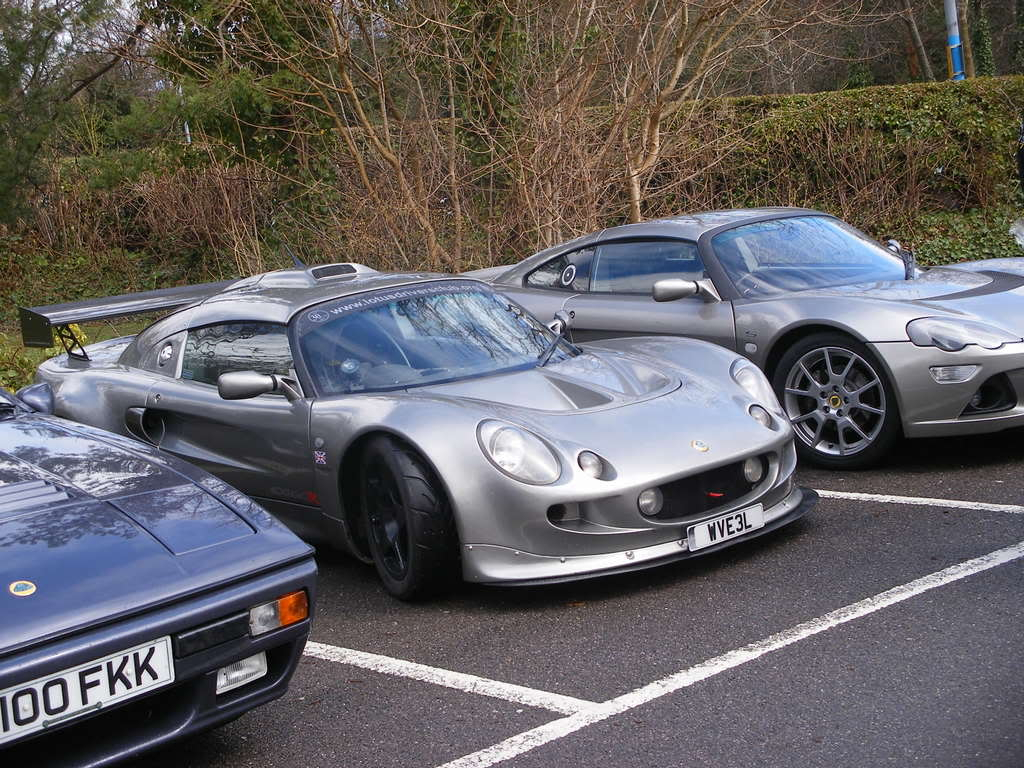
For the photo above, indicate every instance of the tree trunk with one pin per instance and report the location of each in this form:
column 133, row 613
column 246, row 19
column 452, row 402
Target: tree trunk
column 965, row 38
column 915, row 35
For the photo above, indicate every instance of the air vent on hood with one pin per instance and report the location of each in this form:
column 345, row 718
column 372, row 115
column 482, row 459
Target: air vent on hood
column 333, row 270
column 17, row 497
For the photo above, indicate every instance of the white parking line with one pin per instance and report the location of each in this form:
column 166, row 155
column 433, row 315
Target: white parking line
column 923, row 502
column 544, row 734
column 564, row 705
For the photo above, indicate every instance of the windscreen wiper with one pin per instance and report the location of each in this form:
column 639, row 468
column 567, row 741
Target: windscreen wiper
column 563, row 326
column 544, row 356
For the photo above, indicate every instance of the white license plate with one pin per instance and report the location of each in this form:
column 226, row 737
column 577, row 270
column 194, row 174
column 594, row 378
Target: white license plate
column 62, row 696
column 725, row 527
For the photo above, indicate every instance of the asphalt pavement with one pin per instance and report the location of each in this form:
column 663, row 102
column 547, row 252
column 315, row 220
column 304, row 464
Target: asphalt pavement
column 885, row 628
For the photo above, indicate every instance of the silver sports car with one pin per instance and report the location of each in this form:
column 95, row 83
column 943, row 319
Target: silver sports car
column 860, row 344
column 430, row 424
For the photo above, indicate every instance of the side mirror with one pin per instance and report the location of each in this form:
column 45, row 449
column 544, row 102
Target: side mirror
column 562, row 322
column 241, row 385
column 38, row 397
column 673, row 288
column 909, row 260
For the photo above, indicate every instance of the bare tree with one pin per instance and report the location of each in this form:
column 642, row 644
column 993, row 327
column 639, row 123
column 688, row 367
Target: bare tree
column 530, row 122
column 915, row 36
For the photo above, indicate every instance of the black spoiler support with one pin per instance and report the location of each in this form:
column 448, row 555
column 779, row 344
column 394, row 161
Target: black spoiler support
column 38, row 324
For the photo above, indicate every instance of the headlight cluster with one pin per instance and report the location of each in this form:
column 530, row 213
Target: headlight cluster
column 518, row 453
column 748, row 376
column 953, row 334
column 284, row 611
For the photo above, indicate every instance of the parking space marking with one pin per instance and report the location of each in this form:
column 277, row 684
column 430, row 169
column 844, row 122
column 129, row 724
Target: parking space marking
column 564, row 705
column 981, row 506
column 557, row 729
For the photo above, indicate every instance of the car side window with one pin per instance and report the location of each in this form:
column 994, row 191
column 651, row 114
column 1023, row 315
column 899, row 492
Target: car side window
column 635, row 267
column 217, row 349
column 568, row 272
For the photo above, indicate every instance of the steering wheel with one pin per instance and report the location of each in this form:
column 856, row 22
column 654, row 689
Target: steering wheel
column 369, row 341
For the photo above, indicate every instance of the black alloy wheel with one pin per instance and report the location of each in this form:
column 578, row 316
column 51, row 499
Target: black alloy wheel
column 409, row 524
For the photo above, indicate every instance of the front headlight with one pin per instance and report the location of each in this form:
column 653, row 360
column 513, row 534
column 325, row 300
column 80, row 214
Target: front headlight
column 518, row 453
column 953, row 334
column 749, row 376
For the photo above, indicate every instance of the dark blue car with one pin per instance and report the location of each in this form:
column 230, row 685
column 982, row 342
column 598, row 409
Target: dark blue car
column 141, row 599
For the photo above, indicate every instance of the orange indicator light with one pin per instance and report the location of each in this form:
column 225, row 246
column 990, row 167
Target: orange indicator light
column 293, row 607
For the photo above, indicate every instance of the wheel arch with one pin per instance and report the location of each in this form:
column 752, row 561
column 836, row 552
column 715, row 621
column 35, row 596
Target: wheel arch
column 348, row 481
column 791, row 336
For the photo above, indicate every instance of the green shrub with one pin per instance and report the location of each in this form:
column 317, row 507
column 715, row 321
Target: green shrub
column 946, row 237
column 18, row 364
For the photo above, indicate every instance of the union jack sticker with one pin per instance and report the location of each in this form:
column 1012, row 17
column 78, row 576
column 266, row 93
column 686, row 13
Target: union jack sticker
column 320, row 457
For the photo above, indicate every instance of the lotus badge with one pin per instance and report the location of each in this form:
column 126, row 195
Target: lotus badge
column 21, row 588
column 700, row 445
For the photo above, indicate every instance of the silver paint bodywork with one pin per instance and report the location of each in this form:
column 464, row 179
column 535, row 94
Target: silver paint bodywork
column 989, row 291
column 639, row 404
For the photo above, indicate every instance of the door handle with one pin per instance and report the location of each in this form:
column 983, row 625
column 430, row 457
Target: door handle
column 145, row 424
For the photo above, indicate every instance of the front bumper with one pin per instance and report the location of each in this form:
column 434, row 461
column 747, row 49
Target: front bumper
column 929, row 409
column 187, row 706
column 488, row 563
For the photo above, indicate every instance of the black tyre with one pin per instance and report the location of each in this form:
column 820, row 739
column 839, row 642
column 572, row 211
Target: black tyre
column 839, row 400
column 409, row 525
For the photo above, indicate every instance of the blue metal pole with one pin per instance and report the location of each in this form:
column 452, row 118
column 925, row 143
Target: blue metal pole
column 954, row 48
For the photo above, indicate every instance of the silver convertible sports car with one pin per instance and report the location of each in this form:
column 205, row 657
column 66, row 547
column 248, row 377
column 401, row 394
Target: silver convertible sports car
column 859, row 344
column 430, row 424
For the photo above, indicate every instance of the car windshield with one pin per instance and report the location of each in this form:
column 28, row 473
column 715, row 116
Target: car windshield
column 800, row 253
column 414, row 335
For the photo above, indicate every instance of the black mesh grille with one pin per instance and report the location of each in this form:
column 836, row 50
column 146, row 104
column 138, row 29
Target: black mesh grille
column 705, row 492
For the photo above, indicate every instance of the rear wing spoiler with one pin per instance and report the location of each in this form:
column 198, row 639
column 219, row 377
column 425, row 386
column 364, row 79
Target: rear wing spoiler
column 39, row 324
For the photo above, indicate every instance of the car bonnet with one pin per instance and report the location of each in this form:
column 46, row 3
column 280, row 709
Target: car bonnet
column 988, row 296
column 91, row 531
column 585, row 382
column 655, row 431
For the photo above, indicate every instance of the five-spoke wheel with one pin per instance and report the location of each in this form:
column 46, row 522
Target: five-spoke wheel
column 839, row 401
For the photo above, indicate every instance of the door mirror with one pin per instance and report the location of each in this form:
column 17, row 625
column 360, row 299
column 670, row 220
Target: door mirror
column 909, row 260
column 241, row 385
column 562, row 322
column 38, row 397
column 673, row 288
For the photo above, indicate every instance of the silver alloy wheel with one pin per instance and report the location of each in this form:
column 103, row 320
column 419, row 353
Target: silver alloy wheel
column 835, row 400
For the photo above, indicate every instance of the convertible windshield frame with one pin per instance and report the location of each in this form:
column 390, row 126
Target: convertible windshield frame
column 725, row 276
column 355, row 307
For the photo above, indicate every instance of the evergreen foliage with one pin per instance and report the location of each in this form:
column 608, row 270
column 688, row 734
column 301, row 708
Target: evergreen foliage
column 981, row 40
column 40, row 43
